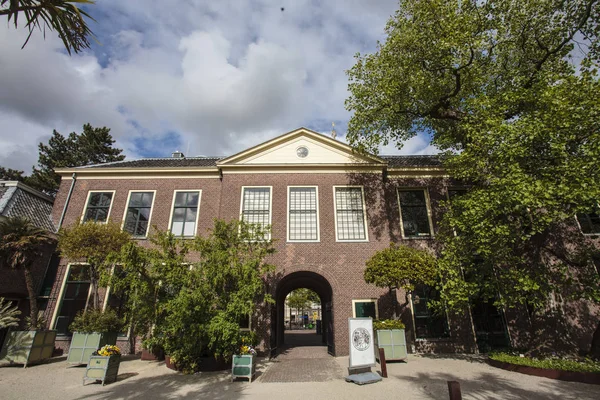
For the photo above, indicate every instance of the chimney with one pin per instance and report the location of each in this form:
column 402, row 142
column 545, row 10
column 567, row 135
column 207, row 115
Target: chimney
column 177, row 154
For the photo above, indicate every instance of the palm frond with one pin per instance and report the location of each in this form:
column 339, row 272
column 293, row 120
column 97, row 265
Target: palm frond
column 8, row 314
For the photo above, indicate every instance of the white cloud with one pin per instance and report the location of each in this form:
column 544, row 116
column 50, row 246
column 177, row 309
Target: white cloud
column 223, row 75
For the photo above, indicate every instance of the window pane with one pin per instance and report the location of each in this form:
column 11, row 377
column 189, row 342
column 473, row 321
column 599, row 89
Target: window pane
column 590, row 223
column 192, row 199
column 256, row 206
column 177, row 228
column 74, row 297
column 303, row 214
column 190, row 229
column 179, row 214
column 180, row 199
column 95, row 199
column 190, row 215
column 413, row 208
column 427, row 324
column 365, row 309
column 350, row 214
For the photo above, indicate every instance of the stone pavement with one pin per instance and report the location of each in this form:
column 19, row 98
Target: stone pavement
column 303, row 359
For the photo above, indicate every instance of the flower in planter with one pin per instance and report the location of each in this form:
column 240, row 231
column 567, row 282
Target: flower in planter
column 388, row 324
column 247, row 350
column 108, row 350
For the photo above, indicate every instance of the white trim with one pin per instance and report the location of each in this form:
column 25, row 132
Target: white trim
column 87, row 203
column 362, row 190
column 425, row 189
column 581, row 230
column 270, row 205
column 149, row 217
column 59, row 300
column 287, row 228
column 199, row 191
column 354, row 301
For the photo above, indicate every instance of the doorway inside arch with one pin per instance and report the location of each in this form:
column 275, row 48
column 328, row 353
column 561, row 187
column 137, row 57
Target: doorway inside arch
column 304, row 312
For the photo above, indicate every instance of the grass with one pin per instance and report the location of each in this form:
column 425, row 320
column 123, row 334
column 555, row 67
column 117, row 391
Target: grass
column 584, row 365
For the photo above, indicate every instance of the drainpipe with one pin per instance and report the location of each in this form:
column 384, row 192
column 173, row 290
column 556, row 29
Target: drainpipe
column 64, row 211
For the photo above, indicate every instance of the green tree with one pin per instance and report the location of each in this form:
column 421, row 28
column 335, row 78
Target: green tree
column 302, row 299
column 93, row 244
column 62, row 16
column 8, row 174
column 21, row 244
column 401, row 267
column 91, row 146
column 508, row 90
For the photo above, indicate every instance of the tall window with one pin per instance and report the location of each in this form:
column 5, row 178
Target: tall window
column 589, row 223
column 138, row 213
column 74, row 297
column 98, row 206
column 350, row 214
column 117, row 301
column 256, row 206
column 185, row 213
column 302, row 205
column 427, row 323
column 413, row 211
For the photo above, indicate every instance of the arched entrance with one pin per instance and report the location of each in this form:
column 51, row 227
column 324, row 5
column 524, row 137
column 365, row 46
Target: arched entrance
column 314, row 282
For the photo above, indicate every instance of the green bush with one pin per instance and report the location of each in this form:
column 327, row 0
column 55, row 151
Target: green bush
column 581, row 365
column 387, row 324
column 96, row 321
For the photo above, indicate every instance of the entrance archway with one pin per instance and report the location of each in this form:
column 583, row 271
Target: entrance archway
column 316, row 283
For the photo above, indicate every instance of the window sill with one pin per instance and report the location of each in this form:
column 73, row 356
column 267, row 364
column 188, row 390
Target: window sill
column 418, row 237
column 352, row 241
column 303, row 241
column 440, row 339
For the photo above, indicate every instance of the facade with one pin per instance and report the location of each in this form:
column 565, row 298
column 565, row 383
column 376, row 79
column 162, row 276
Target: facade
column 330, row 209
column 19, row 200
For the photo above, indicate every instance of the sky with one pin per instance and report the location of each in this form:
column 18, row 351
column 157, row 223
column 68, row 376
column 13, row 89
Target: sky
column 208, row 78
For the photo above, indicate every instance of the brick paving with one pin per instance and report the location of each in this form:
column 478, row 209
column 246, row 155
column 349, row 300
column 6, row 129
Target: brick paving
column 303, row 359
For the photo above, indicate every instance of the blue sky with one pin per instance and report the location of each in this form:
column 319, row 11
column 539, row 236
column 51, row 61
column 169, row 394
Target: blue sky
column 203, row 77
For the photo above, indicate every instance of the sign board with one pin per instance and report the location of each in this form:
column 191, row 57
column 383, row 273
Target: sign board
column 362, row 350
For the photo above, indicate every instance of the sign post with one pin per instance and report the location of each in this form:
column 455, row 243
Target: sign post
column 362, row 351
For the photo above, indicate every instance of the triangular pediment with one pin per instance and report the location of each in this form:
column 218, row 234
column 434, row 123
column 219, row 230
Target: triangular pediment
column 300, row 147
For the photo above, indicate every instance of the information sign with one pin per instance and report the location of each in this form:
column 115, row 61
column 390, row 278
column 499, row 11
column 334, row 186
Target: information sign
column 362, row 353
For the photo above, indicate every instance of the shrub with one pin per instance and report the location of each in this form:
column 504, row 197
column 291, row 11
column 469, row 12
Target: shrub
column 96, row 321
column 387, row 324
column 581, row 365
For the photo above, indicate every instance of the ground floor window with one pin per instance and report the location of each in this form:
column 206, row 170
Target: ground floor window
column 74, row 297
column 428, row 324
column 365, row 308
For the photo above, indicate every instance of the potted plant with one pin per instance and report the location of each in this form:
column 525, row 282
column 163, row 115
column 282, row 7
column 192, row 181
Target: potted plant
column 243, row 365
column 92, row 329
column 21, row 244
column 389, row 336
column 103, row 365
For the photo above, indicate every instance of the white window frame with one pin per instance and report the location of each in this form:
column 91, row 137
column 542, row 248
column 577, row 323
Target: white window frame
column 354, row 301
column 151, row 211
column 87, row 203
column 197, row 212
column 581, row 230
column 105, row 305
column 288, row 215
column 362, row 190
column 61, row 293
column 269, row 234
column 425, row 189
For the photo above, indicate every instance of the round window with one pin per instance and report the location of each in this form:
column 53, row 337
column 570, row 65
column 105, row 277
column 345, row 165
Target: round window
column 302, row 151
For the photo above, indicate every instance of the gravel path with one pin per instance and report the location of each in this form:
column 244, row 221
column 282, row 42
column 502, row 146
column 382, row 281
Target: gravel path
column 420, row 378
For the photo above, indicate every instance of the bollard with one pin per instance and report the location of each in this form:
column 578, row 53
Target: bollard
column 454, row 390
column 382, row 363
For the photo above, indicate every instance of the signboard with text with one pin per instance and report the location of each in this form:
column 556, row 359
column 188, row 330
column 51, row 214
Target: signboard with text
column 362, row 353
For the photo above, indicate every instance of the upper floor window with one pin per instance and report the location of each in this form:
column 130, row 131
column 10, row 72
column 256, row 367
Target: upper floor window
column 303, row 222
column 138, row 214
column 350, row 216
column 414, row 214
column 98, row 206
column 256, row 206
column 589, row 223
column 185, row 213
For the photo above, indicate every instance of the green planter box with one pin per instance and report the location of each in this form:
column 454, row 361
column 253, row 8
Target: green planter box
column 84, row 344
column 101, row 368
column 243, row 366
column 393, row 342
column 27, row 347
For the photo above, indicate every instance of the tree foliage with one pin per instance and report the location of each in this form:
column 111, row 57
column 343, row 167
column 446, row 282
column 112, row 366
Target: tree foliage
column 8, row 174
column 93, row 244
column 193, row 309
column 9, row 314
column 21, row 244
column 508, row 89
column 91, row 146
column 62, row 16
column 302, row 299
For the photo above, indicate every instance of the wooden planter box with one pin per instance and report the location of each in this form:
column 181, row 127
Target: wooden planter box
column 27, row 347
column 101, row 368
column 243, row 366
column 393, row 342
column 84, row 344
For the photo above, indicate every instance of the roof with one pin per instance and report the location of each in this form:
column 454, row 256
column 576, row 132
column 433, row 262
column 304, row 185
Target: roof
column 169, row 162
column 19, row 200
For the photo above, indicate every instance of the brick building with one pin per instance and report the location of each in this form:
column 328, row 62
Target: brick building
column 330, row 209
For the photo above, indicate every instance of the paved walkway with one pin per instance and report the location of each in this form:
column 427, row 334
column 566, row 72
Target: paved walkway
column 422, row 378
column 303, row 359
